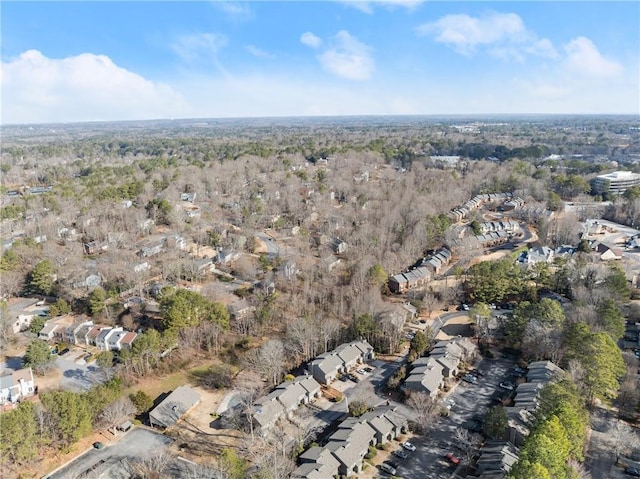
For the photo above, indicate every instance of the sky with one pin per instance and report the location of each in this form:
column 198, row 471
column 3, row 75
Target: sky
column 119, row 60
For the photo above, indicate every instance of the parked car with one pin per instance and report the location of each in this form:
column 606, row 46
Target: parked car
column 408, row 446
column 343, row 378
column 368, row 369
column 87, row 357
column 476, row 373
column 507, row 386
column 54, row 350
column 353, row 378
column 395, row 465
column 98, row 445
column 452, row 458
column 388, row 468
column 632, row 471
column 400, row 453
column 63, row 352
column 470, row 378
column 361, row 371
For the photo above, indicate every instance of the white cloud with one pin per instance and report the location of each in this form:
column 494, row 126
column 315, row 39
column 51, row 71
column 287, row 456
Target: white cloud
column 348, row 58
column 504, row 35
column 368, row 6
column 465, row 33
column 199, row 46
column 86, row 87
column 258, row 52
column 543, row 48
column 583, row 57
column 310, row 40
column 236, row 11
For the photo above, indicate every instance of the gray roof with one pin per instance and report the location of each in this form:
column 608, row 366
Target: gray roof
column 355, row 444
column 290, row 394
column 268, row 413
column 174, row 406
column 326, row 363
column 310, row 385
column 103, row 334
column 348, row 352
column 542, row 371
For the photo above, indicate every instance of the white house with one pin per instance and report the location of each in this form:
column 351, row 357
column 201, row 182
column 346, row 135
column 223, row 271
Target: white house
column 17, row 385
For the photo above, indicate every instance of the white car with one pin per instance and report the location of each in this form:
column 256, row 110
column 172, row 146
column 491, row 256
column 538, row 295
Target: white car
column 507, row 386
column 361, row 371
column 408, row 446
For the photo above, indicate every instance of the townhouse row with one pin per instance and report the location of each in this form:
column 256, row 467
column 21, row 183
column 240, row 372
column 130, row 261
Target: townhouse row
column 422, row 272
column 429, row 373
column 347, row 447
column 84, row 333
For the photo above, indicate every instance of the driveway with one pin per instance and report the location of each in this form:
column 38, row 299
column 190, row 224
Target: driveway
column 110, row 462
column 78, row 377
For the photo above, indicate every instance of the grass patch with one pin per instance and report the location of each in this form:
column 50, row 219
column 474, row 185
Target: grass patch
column 155, row 387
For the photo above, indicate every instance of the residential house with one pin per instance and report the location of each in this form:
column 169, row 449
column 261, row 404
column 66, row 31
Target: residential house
column 606, row 252
column 114, row 340
column 190, row 197
column 226, row 256
column 326, row 367
column 496, row 460
column 152, row 247
column 173, row 407
column 55, row 329
column 268, row 411
column 349, row 444
column 16, row 386
column 291, row 395
column 542, row 371
column 317, row 463
column 330, row 262
column 92, row 335
column 538, row 254
column 403, row 282
column 127, row 340
column 521, row 416
column 240, row 309
column 23, row 310
column 310, row 386
column 385, row 430
column 338, row 246
column 74, row 333
column 426, row 378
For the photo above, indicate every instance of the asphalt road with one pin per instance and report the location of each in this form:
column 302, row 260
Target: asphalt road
column 110, row 461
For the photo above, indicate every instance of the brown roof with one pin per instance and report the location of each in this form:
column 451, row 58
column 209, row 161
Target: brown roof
column 128, row 337
column 93, row 333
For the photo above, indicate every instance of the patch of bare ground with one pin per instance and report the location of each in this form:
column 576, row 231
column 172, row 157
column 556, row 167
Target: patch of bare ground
column 199, row 436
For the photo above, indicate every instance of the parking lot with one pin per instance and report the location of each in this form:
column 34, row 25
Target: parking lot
column 470, row 400
column 111, row 462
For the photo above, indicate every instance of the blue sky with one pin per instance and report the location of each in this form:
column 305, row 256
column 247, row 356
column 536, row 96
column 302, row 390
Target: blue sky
column 86, row 61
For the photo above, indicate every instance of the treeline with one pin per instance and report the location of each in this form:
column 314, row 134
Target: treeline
column 555, row 447
column 60, row 419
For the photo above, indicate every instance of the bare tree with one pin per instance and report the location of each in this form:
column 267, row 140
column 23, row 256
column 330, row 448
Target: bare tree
column 624, row 439
column 268, row 360
column 580, row 471
column 150, row 467
column 250, row 389
column 302, row 338
column 116, row 412
column 426, row 411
